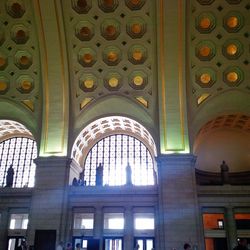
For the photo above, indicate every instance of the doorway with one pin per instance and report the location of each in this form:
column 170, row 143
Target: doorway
column 14, row 242
column 113, row 243
column 87, row 243
column 45, row 239
column 144, row 243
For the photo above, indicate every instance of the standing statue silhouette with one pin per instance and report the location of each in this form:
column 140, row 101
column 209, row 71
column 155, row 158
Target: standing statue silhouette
column 99, row 175
column 9, row 176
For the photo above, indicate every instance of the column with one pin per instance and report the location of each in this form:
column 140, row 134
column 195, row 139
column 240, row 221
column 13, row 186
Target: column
column 4, row 227
column 49, row 200
column 129, row 229
column 231, row 227
column 178, row 207
column 98, row 224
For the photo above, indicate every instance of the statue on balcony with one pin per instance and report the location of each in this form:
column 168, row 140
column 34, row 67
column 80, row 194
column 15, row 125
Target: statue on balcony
column 128, row 175
column 224, row 173
column 9, row 176
column 99, row 175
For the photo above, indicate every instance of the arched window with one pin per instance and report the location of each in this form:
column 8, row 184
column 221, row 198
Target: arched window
column 115, row 152
column 18, row 151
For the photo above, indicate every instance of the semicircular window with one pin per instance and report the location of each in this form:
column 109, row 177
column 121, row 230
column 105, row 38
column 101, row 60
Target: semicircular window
column 20, row 153
column 115, row 153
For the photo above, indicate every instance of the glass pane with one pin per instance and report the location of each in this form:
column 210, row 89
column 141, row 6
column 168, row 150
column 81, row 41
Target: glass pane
column 116, row 223
column 84, row 244
column 11, row 244
column 144, row 221
column 18, row 221
column 113, row 244
column 84, row 221
column 149, row 244
column 113, row 221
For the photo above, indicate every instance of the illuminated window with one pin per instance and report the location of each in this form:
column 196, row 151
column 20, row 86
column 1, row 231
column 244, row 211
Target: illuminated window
column 115, row 152
column 19, row 152
column 19, row 221
column 113, row 221
column 213, row 221
column 84, row 221
column 220, row 224
column 144, row 221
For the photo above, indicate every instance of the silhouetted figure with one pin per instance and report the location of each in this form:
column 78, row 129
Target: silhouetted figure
column 23, row 246
column 137, row 247
column 9, row 176
column 68, row 246
column 128, row 175
column 242, row 245
column 99, row 174
column 78, row 246
column 81, row 179
column 186, row 246
column 74, row 182
column 224, row 173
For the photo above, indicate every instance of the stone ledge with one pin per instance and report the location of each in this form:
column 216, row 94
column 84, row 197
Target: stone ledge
column 14, row 192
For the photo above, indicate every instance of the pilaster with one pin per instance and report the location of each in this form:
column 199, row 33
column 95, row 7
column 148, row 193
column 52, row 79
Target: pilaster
column 231, row 227
column 55, row 120
column 171, row 72
column 178, row 207
column 128, row 230
column 98, row 224
column 49, row 201
column 3, row 227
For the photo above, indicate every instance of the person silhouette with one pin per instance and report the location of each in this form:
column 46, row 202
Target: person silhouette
column 9, row 176
column 187, row 246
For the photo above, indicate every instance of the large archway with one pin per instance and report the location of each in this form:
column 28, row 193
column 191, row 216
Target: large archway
column 17, row 149
column 116, row 142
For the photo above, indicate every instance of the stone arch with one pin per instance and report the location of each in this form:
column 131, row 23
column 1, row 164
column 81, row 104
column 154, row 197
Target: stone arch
column 105, row 126
column 101, row 128
column 224, row 138
column 18, row 148
column 114, row 105
column 14, row 112
column 226, row 103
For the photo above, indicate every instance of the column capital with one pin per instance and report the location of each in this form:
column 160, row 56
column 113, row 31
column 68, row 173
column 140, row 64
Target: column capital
column 174, row 158
column 53, row 161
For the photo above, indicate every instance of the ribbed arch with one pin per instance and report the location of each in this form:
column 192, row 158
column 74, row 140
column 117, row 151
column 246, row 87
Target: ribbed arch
column 229, row 102
column 107, row 126
column 10, row 128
